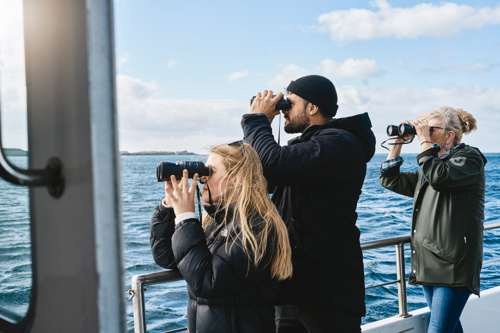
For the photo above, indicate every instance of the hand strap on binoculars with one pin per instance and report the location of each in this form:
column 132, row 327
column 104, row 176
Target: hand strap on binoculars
column 396, row 143
column 210, row 203
column 199, row 203
column 279, row 130
column 199, row 200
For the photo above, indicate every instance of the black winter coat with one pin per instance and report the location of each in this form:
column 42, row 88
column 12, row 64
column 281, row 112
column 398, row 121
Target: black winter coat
column 319, row 176
column 225, row 293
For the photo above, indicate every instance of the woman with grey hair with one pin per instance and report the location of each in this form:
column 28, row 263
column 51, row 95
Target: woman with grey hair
column 448, row 212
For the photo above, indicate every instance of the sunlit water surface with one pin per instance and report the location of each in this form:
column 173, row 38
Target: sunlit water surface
column 382, row 214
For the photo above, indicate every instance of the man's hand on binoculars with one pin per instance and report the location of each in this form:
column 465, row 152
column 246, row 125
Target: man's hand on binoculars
column 265, row 103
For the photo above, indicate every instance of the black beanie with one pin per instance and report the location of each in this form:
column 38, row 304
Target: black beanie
column 317, row 90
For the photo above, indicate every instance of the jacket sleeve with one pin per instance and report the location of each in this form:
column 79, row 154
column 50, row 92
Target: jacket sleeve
column 321, row 158
column 213, row 275
column 162, row 229
column 403, row 183
column 460, row 172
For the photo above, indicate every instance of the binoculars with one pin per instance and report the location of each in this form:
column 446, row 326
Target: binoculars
column 401, row 130
column 283, row 104
column 166, row 169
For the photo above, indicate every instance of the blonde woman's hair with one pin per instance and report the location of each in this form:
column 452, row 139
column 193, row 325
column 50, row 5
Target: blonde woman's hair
column 244, row 170
column 456, row 120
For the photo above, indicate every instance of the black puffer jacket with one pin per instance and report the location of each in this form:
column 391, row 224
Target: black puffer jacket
column 319, row 176
column 225, row 293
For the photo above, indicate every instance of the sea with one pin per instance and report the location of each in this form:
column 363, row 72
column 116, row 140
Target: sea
column 382, row 214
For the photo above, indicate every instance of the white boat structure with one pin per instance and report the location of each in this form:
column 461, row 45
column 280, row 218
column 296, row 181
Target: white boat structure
column 75, row 213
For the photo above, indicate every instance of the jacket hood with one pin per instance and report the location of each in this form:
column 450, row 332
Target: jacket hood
column 480, row 153
column 460, row 147
column 360, row 125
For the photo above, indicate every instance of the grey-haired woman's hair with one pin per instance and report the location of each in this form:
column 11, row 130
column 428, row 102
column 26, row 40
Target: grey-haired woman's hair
column 456, row 120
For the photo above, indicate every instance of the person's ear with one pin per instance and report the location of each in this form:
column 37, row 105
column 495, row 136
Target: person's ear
column 451, row 136
column 234, row 180
column 312, row 109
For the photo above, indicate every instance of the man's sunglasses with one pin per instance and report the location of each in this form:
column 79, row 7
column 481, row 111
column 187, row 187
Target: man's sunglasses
column 236, row 143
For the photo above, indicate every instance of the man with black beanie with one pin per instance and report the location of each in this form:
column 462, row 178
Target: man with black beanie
column 316, row 181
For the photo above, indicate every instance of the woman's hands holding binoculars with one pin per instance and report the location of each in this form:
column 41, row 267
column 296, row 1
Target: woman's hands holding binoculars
column 180, row 195
column 423, row 129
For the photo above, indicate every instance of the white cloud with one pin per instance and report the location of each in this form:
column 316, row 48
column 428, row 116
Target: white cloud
column 147, row 122
column 237, row 75
column 464, row 68
column 12, row 75
column 471, row 68
column 288, row 73
column 445, row 55
column 350, row 68
column 122, row 59
column 364, row 68
column 11, row 37
column 400, row 62
column 171, row 63
column 391, row 106
column 424, row 19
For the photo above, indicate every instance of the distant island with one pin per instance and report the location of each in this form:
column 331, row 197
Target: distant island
column 15, row 152
column 181, row 152
column 20, row 152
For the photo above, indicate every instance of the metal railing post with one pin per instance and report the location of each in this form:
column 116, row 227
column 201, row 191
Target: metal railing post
column 137, row 294
column 400, row 268
column 138, row 305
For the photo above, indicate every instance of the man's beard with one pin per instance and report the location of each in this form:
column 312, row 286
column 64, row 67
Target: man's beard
column 298, row 124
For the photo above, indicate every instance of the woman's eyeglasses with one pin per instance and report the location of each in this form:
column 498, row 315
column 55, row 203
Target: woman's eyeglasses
column 433, row 127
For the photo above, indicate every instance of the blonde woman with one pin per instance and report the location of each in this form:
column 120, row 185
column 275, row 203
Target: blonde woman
column 448, row 212
column 233, row 260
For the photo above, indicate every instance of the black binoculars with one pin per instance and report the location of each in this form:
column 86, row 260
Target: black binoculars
column 401, row 130
column 166, row 169
column 283, row 104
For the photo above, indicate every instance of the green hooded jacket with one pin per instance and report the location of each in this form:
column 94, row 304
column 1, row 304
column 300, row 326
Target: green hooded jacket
column 447, row 217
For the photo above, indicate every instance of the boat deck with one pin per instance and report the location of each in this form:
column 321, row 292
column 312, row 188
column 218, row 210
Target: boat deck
column 480, row 315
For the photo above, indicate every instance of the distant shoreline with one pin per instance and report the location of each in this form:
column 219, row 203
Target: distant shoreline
column 183, row 152
column 15, row 152
column 20, row 152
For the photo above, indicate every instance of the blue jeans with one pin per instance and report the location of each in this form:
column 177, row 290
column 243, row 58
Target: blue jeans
column 446, row 304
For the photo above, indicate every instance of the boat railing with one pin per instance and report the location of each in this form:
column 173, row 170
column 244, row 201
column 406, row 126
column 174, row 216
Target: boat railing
column 140, row 281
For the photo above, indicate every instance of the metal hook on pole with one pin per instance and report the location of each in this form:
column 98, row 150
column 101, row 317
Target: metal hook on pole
column 52, row 176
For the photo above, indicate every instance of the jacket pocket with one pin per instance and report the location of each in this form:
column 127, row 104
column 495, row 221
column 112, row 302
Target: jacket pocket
column 439, row 266
column 453, row 256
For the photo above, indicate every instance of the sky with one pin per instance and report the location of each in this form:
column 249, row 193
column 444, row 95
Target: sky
column 186, row 70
